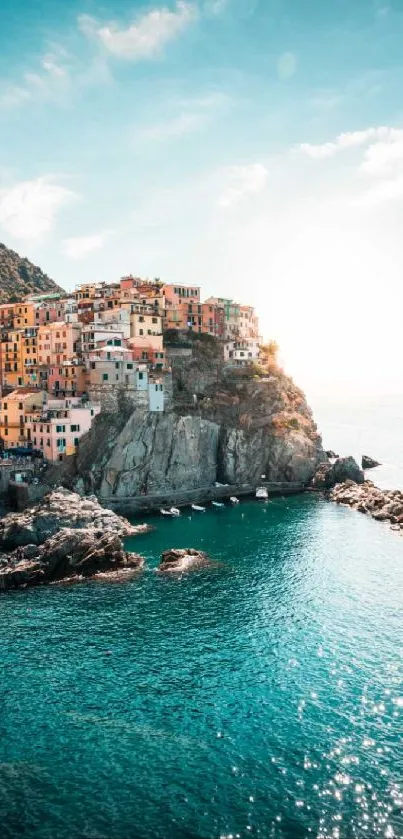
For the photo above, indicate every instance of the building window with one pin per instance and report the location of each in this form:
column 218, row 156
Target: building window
column 60, row 429
column 20, row 406
column 105, row 377
column 76, row 441
column 5, row 406
column 75, row 428
column 130, row 366
column 141, row 376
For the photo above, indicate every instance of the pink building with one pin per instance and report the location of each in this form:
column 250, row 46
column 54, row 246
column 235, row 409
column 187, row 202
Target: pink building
column 57, row 429
column 67, row 379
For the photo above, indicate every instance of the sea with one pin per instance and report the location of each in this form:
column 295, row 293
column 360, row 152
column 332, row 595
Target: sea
column 261, row 696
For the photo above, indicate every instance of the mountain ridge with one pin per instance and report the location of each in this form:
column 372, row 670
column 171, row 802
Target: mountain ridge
column 20, row 277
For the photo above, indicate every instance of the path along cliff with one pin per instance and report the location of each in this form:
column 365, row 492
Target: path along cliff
column 224, row 424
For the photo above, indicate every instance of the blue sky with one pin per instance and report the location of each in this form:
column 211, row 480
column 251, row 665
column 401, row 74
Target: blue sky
column 254, row 147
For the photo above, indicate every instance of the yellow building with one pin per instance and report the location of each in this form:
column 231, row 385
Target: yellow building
column 144, row 321
column 17, row 315
column 16, row 408
column 11, row 359
column 18, row 357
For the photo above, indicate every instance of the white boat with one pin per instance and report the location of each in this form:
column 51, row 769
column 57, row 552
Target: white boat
column 234, row 499
column 217, row 504
column 174, row 511
column 262, row 493
column 198, row 508
column 165, row 512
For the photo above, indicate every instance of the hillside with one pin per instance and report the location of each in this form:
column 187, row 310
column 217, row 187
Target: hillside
column 19, row 277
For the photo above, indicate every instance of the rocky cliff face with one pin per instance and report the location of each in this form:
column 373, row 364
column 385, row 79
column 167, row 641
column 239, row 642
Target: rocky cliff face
column 225, row 426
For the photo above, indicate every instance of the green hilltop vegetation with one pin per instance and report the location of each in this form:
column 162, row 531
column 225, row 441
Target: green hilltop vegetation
column 19, row 277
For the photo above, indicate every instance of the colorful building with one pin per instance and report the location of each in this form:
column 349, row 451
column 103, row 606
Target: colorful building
column 58, row 342
column 67, row 379
column 16, row 408
column 56, row 429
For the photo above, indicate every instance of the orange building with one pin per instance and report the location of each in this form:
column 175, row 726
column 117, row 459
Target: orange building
column 16, row 408
column 58, row 342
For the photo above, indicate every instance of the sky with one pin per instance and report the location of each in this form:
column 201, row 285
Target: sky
column 252, row 147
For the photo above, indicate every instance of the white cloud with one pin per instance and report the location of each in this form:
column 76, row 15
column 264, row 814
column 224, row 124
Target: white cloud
column 381, row 158
column 78, row 247
column 214, row 7
column 243, row 181
column 176, row 127
column 286, row 65
column 28, row 209
column 49, row 64
column 146, row 36
column 194, row 115
column 13, row 96
column 386, row 190
column 348, row 140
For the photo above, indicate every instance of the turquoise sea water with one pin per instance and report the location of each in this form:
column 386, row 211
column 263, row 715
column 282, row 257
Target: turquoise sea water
column 260, row 697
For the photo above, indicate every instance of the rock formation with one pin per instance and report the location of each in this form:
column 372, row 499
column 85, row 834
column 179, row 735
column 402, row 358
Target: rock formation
column 226, row 425
column 330, row 474
column 182, row 559
column 331, row 454
column 70, row 554
column 383, row 505
column 61, row 509
column 368, row 463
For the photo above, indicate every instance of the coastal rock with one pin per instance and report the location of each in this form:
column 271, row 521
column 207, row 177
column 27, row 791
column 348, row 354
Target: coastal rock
column 344, row 469
column 182, row 559
column 59, row 509
column 242, row 425
column 368, row 463
column 68, row 554
column 382, row 505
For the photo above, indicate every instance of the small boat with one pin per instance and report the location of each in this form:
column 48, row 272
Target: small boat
column 174, row 511
column 217, row 504
column 198, row 508
column 262, row 493
column 234, row 499
column 165, row 512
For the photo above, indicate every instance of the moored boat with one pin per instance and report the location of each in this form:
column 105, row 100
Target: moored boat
column 262, row 493
column 174, row 511
column 234, row 499
column 198, row 508
column 217, row 504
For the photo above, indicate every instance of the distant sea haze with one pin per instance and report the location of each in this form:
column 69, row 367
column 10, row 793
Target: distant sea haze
column 372, row 426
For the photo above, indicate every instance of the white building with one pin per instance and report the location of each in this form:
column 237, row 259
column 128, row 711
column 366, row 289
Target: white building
column 242, row 351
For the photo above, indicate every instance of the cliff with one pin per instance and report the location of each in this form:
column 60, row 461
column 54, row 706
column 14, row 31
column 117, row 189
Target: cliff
column 227, row 424
column 19, row 277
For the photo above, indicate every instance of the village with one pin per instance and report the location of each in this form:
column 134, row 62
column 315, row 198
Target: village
column 64, row 357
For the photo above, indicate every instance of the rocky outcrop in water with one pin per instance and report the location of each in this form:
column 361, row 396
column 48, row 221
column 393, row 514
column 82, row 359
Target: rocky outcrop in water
column 368, row 462
column 382, row 505
column 70, row 554
column 330, row 474
column 226, row 425
column 60, row 509
column 182, row 559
